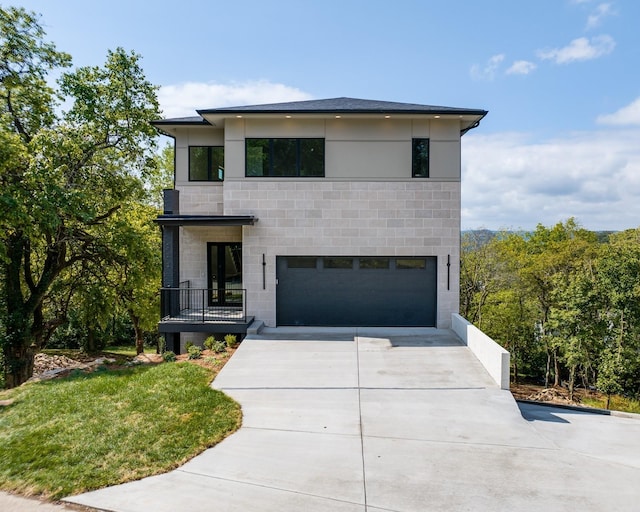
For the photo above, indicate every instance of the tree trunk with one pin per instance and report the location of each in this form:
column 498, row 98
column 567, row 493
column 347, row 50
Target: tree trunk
column 608, row 401
column 18, row 347
column 572, row 378
column 18, row 364
column 547, row 373
column 135, row 320
column 556, row 369
column 91, row 341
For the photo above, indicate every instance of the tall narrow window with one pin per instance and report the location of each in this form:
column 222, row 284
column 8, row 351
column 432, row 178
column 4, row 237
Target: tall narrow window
column 284, row 157
column 206, row 163
column 420, row 158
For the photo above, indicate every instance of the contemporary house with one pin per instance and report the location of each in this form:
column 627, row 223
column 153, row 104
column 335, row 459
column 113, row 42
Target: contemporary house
column 335, row 212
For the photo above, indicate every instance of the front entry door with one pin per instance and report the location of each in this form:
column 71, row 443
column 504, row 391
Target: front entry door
column 224, row 262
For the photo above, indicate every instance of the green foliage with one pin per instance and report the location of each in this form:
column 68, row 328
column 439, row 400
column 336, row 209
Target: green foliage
column 231, row 340
column 211, row 360
column 219, row 347
column 564, row 302
column 209, row 342
column 106, row 428
column 75, row 159
column 194, row 352
column 169, row 356
column 74, row 333
column 188, row 345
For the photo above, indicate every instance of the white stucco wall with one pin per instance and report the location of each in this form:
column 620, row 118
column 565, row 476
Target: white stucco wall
column 493, row 357
column 355, row 149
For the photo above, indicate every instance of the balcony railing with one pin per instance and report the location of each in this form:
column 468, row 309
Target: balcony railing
column 204, row 304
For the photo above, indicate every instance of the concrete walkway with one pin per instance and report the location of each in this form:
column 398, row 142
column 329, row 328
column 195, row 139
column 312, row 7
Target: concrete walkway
column 388, row 421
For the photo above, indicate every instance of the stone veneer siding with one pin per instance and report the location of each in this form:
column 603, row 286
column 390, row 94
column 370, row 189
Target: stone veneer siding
column 348, row 218
column 201, row 199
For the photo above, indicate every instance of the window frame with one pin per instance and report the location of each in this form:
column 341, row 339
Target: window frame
column 414, row 162
column 272, row 164
column 212, row 177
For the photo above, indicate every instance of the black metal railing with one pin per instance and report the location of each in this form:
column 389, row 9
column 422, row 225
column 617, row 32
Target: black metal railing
column 204, row 304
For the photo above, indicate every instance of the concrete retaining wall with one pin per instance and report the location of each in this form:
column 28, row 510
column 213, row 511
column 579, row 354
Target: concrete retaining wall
column 493, row 357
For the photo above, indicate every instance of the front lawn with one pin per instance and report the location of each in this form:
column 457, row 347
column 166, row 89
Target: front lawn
column 72, row 435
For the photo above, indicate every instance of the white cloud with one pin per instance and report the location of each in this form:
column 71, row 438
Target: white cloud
column 580, row 49
column 601, row 12
column 180, row 100
column 488, row 71
column 628, row 115
column 510, row 181
column 521, row 67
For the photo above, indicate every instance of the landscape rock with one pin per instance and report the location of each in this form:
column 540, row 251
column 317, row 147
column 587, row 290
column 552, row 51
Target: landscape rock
column 47, row 367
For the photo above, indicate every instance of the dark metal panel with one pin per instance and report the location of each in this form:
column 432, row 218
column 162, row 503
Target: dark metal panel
column 240, row 327
column 357, row 297
column 205, row 220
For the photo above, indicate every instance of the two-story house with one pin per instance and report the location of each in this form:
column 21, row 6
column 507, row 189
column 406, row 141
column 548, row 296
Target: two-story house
column 335, row 212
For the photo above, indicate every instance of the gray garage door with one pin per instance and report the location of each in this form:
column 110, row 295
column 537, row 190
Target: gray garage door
column 356, row 291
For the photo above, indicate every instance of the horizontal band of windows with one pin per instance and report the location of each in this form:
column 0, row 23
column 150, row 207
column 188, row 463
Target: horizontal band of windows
column 351, row 263
column 284, row 158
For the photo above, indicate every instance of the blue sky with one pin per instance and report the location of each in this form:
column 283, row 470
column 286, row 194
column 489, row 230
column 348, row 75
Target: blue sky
column 560, row 79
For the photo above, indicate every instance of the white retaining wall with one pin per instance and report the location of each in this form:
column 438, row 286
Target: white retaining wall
column 493, row 357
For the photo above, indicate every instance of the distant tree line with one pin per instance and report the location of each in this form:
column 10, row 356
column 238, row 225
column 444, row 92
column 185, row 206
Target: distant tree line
column 563, row 300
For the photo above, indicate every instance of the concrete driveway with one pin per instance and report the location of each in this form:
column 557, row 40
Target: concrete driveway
column 389, row 420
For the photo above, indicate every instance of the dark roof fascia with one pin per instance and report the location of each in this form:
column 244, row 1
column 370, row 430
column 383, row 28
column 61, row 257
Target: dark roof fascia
column 179, row 121
column 205, row 220
column 194, row 120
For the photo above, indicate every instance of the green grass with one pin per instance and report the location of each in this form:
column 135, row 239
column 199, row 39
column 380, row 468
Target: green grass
column 68, row 436
column 618, row 403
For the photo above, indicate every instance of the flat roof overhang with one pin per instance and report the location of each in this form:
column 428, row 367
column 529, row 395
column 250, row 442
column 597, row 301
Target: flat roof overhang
column 205, row 220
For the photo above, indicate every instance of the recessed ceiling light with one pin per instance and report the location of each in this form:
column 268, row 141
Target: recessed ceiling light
column 387, row 117
column 288, row 117
column 436, row 117
column 239, row 117
column 338, row 117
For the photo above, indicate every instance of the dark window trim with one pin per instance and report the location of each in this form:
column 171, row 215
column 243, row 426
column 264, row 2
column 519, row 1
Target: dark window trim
column 211, row 176
column 413, row 156
column 298, row 157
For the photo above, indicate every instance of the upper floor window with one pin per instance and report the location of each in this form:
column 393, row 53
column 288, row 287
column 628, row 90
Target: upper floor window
column 206, row 163
column 285, row 157
column 420, row 158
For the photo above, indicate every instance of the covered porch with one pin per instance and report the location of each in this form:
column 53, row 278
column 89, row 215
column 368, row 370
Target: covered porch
column 204, row 310
column 202, row 289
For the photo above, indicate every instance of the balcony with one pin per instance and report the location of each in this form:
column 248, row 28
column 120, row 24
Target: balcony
column 187, row 309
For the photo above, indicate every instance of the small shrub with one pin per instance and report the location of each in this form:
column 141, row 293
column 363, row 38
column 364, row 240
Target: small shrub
column 169, row 356
column 219, row 347
column 209, row 342
column 211, row 360
column 195, row 352
column 231, row 340
column 188, row 345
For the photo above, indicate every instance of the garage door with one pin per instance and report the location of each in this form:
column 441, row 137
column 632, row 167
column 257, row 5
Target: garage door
column 356, row 291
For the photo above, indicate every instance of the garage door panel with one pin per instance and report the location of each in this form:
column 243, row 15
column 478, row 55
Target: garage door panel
column 357, row 296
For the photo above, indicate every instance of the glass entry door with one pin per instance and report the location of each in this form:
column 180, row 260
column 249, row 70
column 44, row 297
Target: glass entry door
column 224, row 262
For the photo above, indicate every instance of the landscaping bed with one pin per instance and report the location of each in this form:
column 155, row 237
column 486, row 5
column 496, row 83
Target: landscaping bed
column 581, row 397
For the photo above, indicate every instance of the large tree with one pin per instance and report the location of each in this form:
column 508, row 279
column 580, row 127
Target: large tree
column 70, row 158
